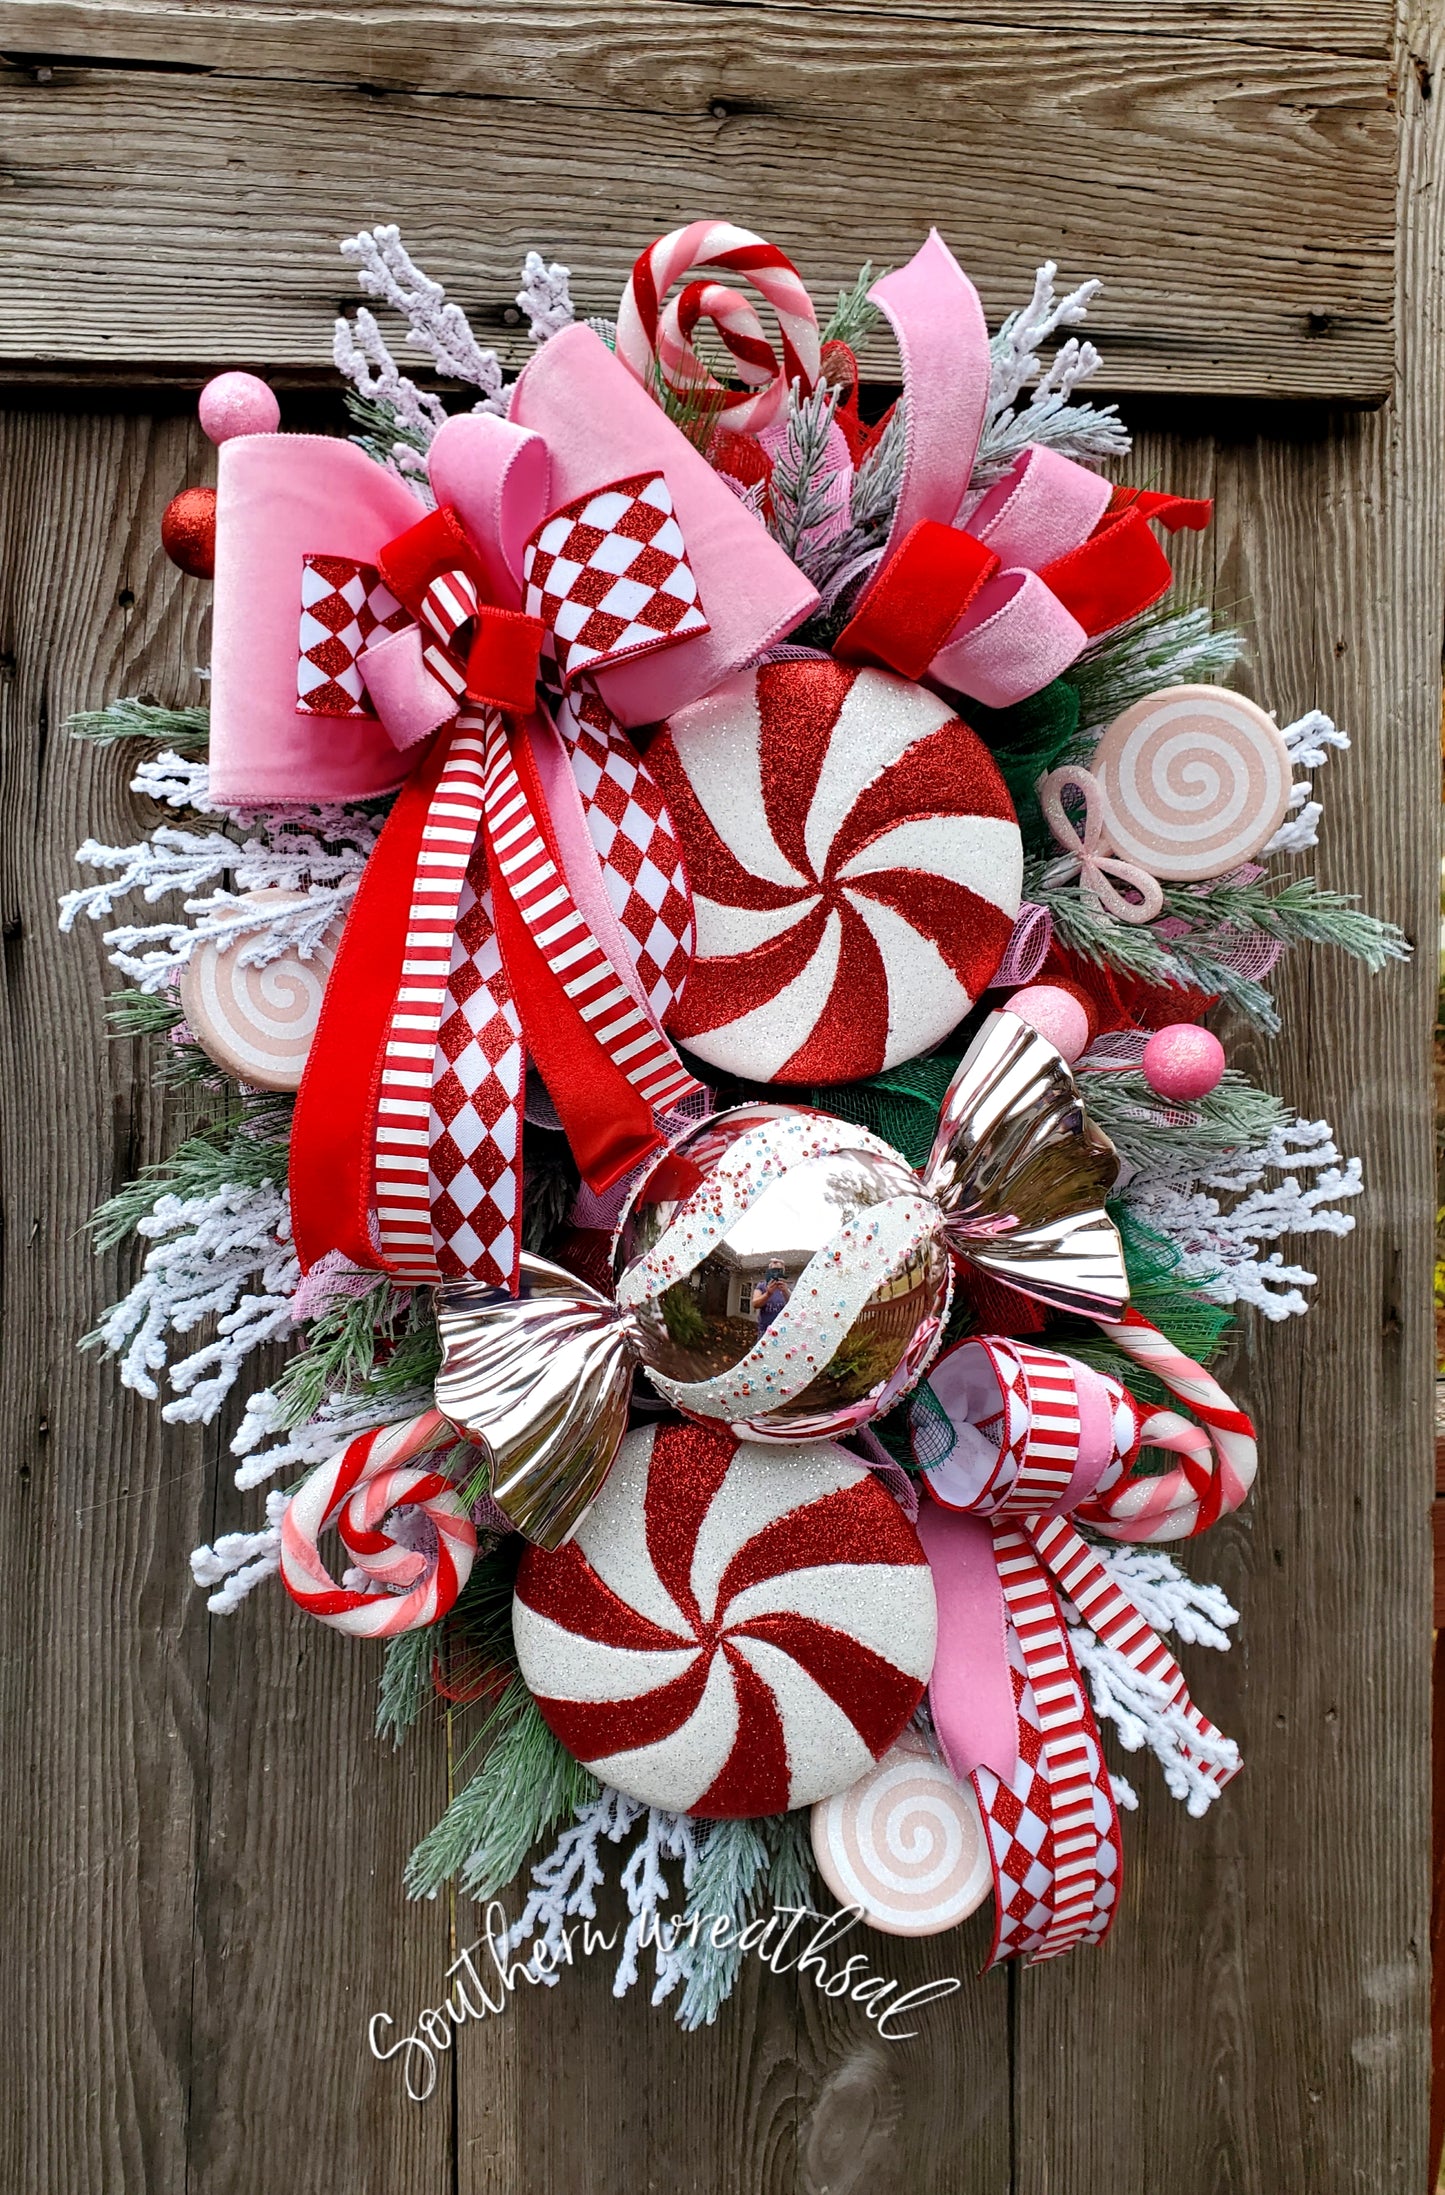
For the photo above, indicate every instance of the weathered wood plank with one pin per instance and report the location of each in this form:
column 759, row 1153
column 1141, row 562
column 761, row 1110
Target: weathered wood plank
column 324, row 41
column 198, row 1826
column 184, row 206
column 1266, row 2001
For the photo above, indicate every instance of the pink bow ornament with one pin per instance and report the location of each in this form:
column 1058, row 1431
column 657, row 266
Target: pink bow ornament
column 1087, row 855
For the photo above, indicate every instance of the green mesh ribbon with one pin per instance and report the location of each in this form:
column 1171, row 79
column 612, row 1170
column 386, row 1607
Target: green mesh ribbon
column 901, row 1105
column 1025, row 741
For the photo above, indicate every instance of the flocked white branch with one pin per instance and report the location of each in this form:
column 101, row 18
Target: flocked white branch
column 545, row 296
column 386, row 270
column 226, row 1256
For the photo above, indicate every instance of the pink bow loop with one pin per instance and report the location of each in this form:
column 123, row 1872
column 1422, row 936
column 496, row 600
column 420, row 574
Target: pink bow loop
column 1085, row 851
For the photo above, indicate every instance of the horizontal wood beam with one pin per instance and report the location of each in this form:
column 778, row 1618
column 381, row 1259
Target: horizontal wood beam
column 174, row 177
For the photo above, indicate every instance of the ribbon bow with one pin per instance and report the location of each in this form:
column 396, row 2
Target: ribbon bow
column 553, row 596
column 995, row 601
column 1084, row 850
column 1036, row 1439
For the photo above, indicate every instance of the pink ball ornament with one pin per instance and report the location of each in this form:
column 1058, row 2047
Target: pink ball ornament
column 235, row 404
column 1183, row 1061
column 1057, row 1015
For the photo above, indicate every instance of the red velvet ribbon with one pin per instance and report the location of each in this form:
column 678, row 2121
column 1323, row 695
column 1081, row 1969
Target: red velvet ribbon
column 933, row 575
column 506, row 645
column 333, row 1130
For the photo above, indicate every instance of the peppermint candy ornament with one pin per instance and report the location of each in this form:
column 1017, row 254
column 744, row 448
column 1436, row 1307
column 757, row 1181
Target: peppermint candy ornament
column 907, row 1844
column 733, row 1630
column 654, row 332
column 257, row 1022
column 856, row 870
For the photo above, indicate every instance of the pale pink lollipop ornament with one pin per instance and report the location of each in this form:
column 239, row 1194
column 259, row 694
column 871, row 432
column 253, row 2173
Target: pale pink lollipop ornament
column 906, row 1843
column 257, row 1022
column 1192, row 781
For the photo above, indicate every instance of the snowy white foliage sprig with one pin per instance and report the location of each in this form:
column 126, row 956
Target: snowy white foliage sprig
column 1221, row 1245
column 317, row 852
column 225, row 1256
column 1139, row 1706
column 1051, row 417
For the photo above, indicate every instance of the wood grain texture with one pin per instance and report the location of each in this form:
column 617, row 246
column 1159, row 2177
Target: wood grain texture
column 183, row 205
column 202, row 1840
column 1265, row 2001
column 198, row 1825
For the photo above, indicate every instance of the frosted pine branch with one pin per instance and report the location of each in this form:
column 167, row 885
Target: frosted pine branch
column 386, row 270
column 545, row 296
column 226, row 1255
column 807, row 491
column 1182, row 648
column 1079, row 431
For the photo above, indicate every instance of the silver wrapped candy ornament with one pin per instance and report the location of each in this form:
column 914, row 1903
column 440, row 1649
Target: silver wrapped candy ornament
column 787, row 1274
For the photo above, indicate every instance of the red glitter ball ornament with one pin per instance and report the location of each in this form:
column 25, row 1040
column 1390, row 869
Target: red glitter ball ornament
column 188, row 531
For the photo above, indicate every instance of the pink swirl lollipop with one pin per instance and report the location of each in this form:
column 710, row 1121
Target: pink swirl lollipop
column 654, row 333
column 906, row 1843
column 355, row 1491
column 1192, row 781
column 257, row 1023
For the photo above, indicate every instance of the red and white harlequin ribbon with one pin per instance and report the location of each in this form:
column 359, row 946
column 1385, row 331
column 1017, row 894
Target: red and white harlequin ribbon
column 373, row 1475
column 654, row 333
column 417, row 1164
column 1038, row 1435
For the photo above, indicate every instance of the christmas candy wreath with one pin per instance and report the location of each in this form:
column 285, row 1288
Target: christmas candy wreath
column 697, row 907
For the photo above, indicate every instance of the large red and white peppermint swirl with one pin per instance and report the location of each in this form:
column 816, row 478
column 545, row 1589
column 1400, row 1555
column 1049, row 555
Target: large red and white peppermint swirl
column 856, row 870
column 734, row 1630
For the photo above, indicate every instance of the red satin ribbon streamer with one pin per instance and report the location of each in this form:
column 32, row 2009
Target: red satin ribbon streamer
column 334, row 1126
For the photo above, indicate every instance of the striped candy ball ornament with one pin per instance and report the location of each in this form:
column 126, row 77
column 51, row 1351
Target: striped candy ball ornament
column 856, row 870
column 733, row 1630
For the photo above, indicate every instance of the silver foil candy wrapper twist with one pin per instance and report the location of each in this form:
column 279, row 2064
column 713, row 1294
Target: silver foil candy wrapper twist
column 785, row 1273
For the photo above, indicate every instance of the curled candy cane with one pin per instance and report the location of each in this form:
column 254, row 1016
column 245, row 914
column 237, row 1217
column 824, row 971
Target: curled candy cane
column 355, row 1490
column 1220, row 1454
column 654, row 333
column 1085, row 850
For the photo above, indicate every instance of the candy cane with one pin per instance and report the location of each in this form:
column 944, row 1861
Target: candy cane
column 372, row 1475
column 1220, row 1451
column 656, row 337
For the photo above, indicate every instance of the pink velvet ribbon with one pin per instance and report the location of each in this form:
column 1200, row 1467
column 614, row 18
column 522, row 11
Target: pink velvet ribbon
column 578, row 420
column 1014, row 633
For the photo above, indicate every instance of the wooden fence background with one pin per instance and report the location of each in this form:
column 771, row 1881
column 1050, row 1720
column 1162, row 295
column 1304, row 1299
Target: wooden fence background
column 203, row 1842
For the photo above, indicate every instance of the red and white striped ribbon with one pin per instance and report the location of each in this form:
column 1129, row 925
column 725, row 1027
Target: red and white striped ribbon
column 1112, row 1617
column 448, row 604
column 1071, row 1742
column 524, row 868
column 402, row 1160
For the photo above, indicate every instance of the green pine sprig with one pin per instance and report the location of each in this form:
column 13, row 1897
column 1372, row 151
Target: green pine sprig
column 186, row 731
